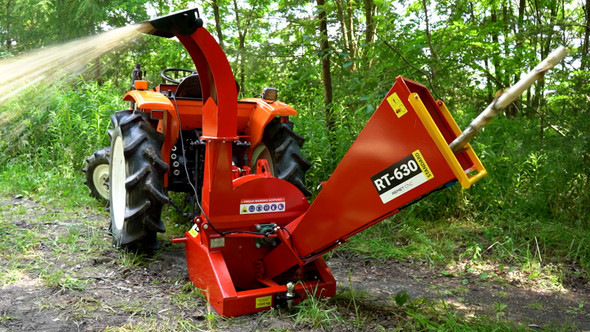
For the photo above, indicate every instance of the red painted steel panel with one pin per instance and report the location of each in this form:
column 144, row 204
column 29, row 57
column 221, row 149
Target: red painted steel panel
column 209, row 270
column 350, row 200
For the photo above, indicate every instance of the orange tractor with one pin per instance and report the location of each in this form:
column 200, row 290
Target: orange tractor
column 256, row 241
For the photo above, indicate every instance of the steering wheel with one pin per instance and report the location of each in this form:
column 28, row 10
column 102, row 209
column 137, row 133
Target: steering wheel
column 165, row 76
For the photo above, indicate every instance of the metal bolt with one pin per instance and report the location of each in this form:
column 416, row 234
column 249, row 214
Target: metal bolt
column 290, row 289
column 258, row 227
column 290, row 294
column 205, row 226
column 257, row 245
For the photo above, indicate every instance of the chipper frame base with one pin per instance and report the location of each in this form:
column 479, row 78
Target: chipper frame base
column 209, row 271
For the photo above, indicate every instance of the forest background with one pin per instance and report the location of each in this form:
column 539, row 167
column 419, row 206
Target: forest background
column 334, row 61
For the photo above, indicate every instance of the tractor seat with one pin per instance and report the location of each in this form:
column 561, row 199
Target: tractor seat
column 190, row 87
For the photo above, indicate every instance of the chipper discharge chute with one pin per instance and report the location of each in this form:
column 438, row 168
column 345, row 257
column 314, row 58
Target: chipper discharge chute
column 257, row 242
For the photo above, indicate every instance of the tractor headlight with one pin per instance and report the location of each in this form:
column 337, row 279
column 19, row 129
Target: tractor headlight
column 269, row 94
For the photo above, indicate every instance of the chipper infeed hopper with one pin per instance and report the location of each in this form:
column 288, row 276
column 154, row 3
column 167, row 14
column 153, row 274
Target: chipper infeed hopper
column 257, row 242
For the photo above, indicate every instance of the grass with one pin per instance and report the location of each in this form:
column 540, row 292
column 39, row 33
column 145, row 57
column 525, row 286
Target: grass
column 64, row 281
column 315, row 312
column 350, row 297
column 4, row 317
column 536, row 306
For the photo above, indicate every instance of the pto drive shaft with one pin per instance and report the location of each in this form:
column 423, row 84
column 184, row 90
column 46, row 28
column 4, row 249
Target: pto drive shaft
column 506, row 98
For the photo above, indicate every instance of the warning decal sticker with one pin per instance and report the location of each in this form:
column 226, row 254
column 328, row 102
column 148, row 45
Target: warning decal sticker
column 263, row 302
column 264, row 205
column 397, row 105
column 401, row 177
column 193, row 231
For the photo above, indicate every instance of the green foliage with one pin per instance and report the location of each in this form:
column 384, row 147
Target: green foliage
column 26, row 24
column 46, row 140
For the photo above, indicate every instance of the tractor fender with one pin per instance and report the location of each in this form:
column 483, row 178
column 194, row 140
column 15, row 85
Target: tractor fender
column 262, row 114
column 147, row 100
column 152, row 100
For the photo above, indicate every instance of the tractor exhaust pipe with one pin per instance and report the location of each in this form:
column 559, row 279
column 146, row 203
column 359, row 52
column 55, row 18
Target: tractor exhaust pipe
column 506, row 98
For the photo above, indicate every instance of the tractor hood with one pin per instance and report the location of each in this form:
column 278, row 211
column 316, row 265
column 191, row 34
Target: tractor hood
column 184, row 22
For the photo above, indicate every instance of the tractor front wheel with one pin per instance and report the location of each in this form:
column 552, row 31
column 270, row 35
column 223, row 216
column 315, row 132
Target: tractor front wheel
column 97, row 173
column 136, row 178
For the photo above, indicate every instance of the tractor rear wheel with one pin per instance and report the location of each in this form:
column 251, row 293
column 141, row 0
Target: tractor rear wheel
column 281, row 147
column 97, row 173
column 136, row 178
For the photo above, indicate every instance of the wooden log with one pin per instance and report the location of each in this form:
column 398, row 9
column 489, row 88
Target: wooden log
column 506, row 98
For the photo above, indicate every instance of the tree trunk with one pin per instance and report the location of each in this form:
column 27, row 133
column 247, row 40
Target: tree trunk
column 345, row 11
column 343, row 25
column 8, row 40
column 495, row 58
column 519, row 50
column 585, row 46
column 370, row 29
column 433, row 52
column 369, row 32
column 325, row 57
column 215, row 5
column 351, row 30
column 242, row 31
column 512, row 109
column 544, row 48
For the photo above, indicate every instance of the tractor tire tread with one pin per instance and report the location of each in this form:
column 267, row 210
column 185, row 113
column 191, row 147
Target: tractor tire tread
column 133, row 180
column 144, row 181
column 284, row 146
column 131, row 213
column 156, row 194
column 132, row 146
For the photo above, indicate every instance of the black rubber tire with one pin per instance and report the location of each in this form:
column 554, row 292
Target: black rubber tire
column 97, row 174
column 136, row 178
column 284, row 147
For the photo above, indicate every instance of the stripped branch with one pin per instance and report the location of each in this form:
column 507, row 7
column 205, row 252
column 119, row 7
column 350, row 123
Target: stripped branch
column 506, row 98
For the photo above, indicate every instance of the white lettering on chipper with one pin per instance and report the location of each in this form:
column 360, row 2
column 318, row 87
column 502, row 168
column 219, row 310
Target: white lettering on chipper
column 379, row 182
column 406, row 174
column 398, row 174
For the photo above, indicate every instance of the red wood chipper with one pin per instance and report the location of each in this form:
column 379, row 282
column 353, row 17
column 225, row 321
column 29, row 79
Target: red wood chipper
column 257, row 242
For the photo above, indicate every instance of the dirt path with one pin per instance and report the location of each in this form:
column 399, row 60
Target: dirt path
column 59, row 273
column 498, row 296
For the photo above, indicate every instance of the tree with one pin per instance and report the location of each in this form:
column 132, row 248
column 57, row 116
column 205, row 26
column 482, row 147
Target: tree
column 325, row 60
column 217, row 16
column 585, row 45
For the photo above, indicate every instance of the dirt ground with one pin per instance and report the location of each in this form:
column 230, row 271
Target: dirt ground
column 64, row 276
